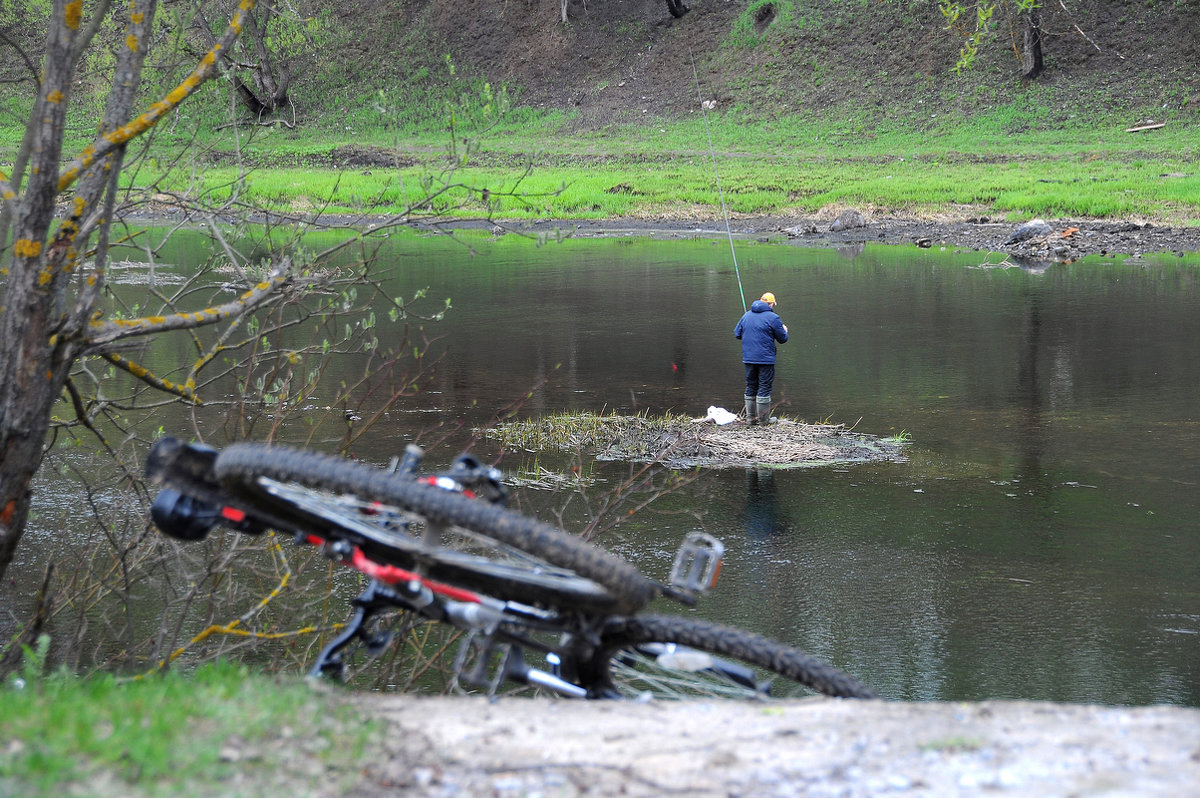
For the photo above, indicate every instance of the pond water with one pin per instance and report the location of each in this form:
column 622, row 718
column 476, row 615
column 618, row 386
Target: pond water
column 1042, row 539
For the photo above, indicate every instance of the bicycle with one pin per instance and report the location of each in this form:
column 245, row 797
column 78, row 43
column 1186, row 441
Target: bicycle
column 445, row 548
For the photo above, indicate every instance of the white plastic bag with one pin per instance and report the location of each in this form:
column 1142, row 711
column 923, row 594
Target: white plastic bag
column 720, row 415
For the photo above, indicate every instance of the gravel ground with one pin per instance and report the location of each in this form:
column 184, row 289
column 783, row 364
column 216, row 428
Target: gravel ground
column 813, row 747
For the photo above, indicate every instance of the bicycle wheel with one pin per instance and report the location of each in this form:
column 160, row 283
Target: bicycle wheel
column 478, row 545
column 672, row 657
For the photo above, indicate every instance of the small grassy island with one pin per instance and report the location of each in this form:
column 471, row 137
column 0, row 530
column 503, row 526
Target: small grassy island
column 684, row 442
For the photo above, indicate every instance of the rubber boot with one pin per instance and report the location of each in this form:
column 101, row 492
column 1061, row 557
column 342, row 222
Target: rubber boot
column 764, row 410
column 751, row 411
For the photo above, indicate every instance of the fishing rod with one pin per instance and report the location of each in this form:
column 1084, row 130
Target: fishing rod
column 720, row 192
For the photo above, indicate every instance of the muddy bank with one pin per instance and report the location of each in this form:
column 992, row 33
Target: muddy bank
column 1066, row 240
column 818, row 746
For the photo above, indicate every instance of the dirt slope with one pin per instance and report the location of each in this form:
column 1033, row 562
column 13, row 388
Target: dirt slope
column 861, row 62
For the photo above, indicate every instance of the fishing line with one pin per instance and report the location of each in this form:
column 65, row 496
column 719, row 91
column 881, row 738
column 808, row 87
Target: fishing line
column 720, row 193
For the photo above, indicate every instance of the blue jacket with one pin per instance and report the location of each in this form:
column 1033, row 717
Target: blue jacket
column 758, row 330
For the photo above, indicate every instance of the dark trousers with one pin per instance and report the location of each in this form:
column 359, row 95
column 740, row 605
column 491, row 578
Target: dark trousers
column 759, row 377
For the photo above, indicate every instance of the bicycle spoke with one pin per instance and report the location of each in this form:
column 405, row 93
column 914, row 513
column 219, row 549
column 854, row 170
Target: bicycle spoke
column 635, row 673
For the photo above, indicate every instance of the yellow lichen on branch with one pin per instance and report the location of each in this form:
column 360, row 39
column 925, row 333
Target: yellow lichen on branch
column 73, row 13
column 186, row 391
column 24, row 248
column 102, row 332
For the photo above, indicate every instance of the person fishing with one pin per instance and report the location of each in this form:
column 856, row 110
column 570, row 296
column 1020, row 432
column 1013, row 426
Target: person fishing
column 758, row 330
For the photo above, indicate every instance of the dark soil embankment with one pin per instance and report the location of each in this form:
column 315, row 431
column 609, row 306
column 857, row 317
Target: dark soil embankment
column 1084, row 237
column 859, row 63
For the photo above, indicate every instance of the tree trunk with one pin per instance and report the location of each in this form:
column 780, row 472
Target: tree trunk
column 677, row 8
column 1031, row 44
column 267, row 94
column 272, row 87
column 42, row 328
column 29, row 384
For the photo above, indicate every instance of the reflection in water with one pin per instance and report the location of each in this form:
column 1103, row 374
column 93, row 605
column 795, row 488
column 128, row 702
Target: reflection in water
column 762, row 509
column 1030, row 436
column 852, row 250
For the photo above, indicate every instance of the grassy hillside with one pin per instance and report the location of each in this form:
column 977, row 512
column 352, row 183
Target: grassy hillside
column 815, row 104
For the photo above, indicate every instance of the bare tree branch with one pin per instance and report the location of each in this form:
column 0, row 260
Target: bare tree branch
column 186, row 391
column 83, row 416
column 87, row 34
column 104, row 332
column 29, row 65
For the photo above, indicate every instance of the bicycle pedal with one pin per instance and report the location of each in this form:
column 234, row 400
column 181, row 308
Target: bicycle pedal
column 407, row 465
column 697, row 563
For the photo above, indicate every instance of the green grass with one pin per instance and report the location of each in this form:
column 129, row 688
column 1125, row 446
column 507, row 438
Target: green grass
column 746, row 28
column 1089, row 178
column 173, row 734
column 571, row 431
column 1013, row 161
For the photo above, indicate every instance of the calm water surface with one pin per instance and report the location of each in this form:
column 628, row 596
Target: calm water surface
column 1042, row 541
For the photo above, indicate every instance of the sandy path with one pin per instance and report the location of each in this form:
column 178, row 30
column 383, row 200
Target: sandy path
column 819, row 746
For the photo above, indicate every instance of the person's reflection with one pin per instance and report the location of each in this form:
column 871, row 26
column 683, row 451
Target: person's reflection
column 1028, row 395
column 762, row 509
